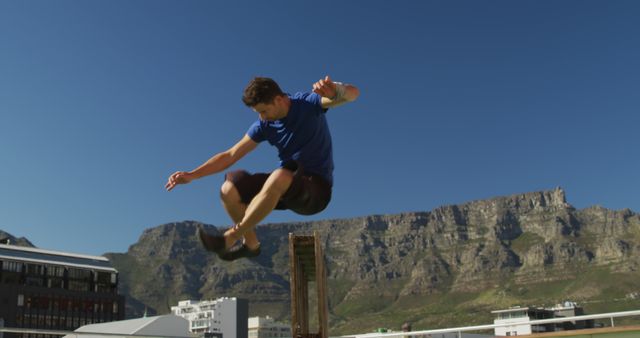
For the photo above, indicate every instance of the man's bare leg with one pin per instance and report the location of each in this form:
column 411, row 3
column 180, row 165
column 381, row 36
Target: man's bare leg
column 261, row 205
column 232, row 203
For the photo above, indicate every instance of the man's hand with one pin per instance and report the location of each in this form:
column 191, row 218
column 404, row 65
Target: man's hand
column 180, row 177
column 325, row 88
column 334, row 94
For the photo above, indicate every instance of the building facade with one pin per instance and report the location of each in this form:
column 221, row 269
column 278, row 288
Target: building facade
column 571, row 309
column 220, row 318
column 521, row 316
column 49, row 290
column 266, row 327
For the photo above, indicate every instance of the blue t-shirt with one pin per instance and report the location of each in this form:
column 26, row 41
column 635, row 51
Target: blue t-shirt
column 303, row 135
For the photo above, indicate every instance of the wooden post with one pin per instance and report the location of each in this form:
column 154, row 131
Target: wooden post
column 306, row 259
column 321, row 286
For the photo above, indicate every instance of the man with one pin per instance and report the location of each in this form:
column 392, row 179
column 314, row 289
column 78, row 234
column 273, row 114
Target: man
column 297, row 127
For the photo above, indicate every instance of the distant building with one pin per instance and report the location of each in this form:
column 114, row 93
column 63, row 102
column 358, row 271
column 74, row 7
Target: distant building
column 523, row 315
column 220, row 318
column 266, row 327
column 50, row 290
column 570, row 309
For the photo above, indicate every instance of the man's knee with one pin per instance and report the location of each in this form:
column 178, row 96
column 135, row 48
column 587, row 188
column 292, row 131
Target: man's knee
column 229, row 193
column 280, row 180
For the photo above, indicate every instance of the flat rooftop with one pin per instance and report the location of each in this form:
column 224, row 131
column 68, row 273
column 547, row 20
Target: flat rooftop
column 40, row 256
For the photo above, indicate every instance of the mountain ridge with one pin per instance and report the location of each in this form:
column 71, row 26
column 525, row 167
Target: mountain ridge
column 484, row 254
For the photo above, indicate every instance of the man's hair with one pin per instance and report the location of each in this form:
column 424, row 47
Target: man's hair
column 261, row 90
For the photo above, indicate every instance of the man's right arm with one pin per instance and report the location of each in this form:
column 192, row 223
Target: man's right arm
column 215, row 164
column 225, row 159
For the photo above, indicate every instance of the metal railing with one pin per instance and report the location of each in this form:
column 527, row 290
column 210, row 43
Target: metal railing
column 460, row 330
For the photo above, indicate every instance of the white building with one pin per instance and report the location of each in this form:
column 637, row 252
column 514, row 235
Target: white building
column 220, row 318
column 266, row 327
column 166, row 326
column 514, row 315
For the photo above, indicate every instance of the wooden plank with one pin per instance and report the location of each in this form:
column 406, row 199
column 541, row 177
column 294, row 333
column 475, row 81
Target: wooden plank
column 321, row 285
column 307, row 263
column 293, row 285
column 304, row 305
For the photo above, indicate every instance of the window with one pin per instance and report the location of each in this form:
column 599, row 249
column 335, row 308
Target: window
column 12, row 266
column 20, row 300
column 104, row 282
column 55, row 271
column 80, row 274
column 75, row 285
column 103, row 277
column 35, row 270
column 34, row 281
column 55, row 283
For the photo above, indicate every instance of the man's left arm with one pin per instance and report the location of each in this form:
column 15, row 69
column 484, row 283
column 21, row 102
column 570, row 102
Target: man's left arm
column 333, row 93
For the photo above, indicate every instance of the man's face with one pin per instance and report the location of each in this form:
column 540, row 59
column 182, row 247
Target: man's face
column 271, row 111
column 267, row 112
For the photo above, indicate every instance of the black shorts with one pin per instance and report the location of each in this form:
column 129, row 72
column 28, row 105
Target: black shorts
column 308, row 194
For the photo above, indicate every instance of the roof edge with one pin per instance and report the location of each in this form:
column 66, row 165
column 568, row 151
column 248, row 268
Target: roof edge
column 55, row 253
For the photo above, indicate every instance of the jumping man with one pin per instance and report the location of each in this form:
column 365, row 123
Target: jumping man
column 297, row 127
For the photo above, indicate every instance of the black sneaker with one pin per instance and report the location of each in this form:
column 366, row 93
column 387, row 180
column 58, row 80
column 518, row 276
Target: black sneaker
column 240, row 251
column 210, row 242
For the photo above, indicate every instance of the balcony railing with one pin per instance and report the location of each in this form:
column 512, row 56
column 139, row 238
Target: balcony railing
column 460, row 330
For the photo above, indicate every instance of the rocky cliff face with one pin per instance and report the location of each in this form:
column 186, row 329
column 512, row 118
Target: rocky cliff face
column 468, row 259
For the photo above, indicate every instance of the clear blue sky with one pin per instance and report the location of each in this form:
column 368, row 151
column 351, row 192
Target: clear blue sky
column 100, row 101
